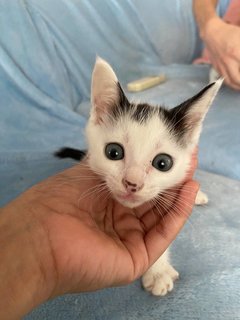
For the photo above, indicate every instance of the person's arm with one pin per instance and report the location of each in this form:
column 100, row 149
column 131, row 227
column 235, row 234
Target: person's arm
column 204, row 11
column 221, row 40
column 24, row 281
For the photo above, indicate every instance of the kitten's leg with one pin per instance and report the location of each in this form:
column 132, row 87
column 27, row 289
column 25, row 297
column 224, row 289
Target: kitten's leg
column 160, row 277
column 201, row 198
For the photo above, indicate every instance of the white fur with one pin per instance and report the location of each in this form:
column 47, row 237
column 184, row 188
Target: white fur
column 104, row 89
column 201, row 198
column 160, row 276
column 141, row 142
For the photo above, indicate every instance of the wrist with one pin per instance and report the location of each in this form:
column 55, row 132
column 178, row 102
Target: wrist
column 208, row 28
column 27, row 273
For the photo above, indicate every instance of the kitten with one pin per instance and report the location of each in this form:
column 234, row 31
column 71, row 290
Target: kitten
column 142, row 150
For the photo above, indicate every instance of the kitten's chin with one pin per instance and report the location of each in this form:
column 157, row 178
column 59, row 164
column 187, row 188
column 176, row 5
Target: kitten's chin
column 129, row 203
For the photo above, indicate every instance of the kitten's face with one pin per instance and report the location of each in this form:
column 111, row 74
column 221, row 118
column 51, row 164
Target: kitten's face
column 138, row 149
column 138, row 161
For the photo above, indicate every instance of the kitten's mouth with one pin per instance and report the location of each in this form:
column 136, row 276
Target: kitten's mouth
column 128, row 197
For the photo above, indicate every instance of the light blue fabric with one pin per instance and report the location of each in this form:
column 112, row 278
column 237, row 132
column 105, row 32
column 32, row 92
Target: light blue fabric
column 47, row 51
column 46, row 63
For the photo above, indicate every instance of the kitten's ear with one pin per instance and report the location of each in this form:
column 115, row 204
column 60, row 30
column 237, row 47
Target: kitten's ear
column 106, row 92
column 186, row 119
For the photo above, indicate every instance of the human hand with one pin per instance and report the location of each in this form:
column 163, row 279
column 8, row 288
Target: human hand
column 83, row 240
column 223, row 43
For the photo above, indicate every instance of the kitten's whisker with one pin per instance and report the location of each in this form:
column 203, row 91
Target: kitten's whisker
column 91, row 191
column 153, row 205
column 172, row 207
column 173, row 196
column 165, row 205
column 98, row 193
column 167, row 210
column 177, row 210
column 108, row 194
column 158, row 208
column 63, row 181
column 173, row 189
column 183, row 202
column 80, row 178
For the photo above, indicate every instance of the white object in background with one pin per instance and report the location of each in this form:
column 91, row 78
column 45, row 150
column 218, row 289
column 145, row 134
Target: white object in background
column 145, row 83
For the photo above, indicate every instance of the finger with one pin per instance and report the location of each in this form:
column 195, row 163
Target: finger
column 151, row 212
column 229, row 83
column 159, row 238
column 223, row 69
column 83, row 188
column 193, row 165
column 195, row 158
column 159, row 207
column 233, row 72
column 173, row 201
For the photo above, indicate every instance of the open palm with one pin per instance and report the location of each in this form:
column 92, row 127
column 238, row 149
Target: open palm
column 95, row 241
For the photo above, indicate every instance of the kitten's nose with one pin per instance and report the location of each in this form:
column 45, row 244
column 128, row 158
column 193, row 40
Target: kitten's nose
column 133, row 179
column 131, row 186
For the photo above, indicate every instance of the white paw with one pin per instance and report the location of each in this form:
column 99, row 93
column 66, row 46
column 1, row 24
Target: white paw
column 201, row 198
column 161, row 282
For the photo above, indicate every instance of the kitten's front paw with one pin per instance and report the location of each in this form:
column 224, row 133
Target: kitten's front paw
column 201, row 198
column 161, row 282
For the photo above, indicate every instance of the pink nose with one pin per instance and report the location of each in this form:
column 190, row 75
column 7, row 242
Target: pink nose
column 131, row 186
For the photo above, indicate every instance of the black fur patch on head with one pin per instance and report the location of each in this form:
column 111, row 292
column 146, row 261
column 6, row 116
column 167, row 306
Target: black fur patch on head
column 137, row 112
column 142, row 112
column 177, row 118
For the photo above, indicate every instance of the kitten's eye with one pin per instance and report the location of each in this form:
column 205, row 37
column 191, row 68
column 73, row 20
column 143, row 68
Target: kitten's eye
column 114, row 151
column 162, row 162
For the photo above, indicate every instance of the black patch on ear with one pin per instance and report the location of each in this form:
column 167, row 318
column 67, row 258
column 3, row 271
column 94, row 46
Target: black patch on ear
column 70, row 153
column 177, row 119
column 123, row 105
column 123, row 101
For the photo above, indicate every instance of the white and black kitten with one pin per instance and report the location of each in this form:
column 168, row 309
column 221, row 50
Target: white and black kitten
column 142, row 150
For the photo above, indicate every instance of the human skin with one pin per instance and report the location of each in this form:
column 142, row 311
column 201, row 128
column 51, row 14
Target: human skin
column 65, row 235
column 221, row 39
